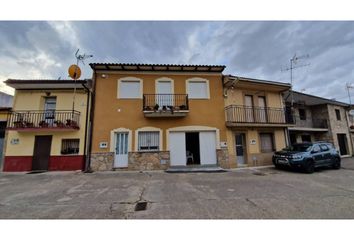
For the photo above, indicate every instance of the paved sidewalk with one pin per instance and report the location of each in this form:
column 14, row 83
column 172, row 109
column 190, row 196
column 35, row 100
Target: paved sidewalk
column 348, row 163
column 244, row 194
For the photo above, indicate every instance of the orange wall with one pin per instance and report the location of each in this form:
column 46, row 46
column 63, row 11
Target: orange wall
column 111, row 113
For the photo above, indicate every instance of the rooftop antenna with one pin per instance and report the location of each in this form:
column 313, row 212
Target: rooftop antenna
column 293, row 65
column 349, row 86
column 75, row 71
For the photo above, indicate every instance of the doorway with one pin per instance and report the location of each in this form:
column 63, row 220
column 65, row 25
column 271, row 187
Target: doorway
column 164, row 95
column 192, row 148
column 342, row 142
column 41, row 153
column 249, row 114
column 306, row 138
column 49, row 109
column 121, row 150
column 240, row 139
column 262, row 109
column 292, row 138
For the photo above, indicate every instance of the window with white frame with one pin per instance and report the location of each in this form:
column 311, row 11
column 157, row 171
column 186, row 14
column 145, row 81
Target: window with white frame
column 149, row 141
column 198, row 89
column 129, row 89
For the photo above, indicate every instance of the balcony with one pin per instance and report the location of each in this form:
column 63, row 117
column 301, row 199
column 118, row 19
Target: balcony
column 310, row 124
column 43, row 120
column 239, row 115
column 165, row 105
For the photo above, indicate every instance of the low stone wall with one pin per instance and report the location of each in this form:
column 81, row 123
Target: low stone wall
column 102, row 161
column 149, row 160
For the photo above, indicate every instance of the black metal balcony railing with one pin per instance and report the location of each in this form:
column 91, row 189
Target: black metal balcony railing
column 245, row 114
column 60, row 119
column 165, row 102
column 311, row 123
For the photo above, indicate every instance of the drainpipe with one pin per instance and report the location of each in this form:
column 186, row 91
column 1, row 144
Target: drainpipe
column 92, row 107
column 350, row 134
column 286, row 129
column 86, row 125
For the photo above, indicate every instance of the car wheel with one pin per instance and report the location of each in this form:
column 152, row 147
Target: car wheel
column 336, row 164
column 310, row 166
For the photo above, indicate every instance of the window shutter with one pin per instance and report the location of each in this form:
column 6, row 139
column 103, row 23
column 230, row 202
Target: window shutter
column 198, row 90
column 129, row 89
column 266, row 142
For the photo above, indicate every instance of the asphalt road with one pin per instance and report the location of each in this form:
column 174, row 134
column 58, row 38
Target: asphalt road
column 243, row 194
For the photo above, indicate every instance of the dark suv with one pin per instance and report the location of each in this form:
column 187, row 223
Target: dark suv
column 308, row 156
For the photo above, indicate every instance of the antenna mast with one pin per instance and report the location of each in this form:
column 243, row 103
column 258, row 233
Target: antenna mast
column 77, row 71
column 293, row 62
column 349, row 86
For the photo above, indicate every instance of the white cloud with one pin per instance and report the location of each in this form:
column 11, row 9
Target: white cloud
column 251, row 49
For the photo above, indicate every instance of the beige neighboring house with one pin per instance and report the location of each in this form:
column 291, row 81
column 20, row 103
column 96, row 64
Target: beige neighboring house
column 256, row 120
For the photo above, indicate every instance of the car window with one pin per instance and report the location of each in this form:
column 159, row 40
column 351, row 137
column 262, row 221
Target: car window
column 324, row 147
column 300, row 147
column 329, row 145
column 316, row 148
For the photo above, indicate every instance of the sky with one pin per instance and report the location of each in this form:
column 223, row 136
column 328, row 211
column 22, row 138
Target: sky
column 255, row 49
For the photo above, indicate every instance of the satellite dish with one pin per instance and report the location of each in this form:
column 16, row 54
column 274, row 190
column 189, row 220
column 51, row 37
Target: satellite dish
column 74, row 71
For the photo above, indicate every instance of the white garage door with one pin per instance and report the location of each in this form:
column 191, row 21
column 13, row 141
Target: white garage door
column 207, row 145
column 177, row 145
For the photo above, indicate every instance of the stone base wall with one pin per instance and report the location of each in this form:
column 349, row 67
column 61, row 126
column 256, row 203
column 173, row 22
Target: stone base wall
column 142, row 161
column 102, row 161
column 222, row 157
column 138, row 161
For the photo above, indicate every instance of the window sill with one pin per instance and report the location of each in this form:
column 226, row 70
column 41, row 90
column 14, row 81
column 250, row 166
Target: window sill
column 151, row 151
column 191, row 98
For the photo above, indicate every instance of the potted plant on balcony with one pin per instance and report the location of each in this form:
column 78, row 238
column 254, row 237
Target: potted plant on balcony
column 43, row 124
column 171, row 108
column 164, row 108
column 71, row 123
column 183, row 107
column 28, row 124
column 156, row 107
column 59, row 123
column 19, row 124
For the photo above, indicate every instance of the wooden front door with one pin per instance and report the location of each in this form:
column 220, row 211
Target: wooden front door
column 342, row 142
column 41, row 153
